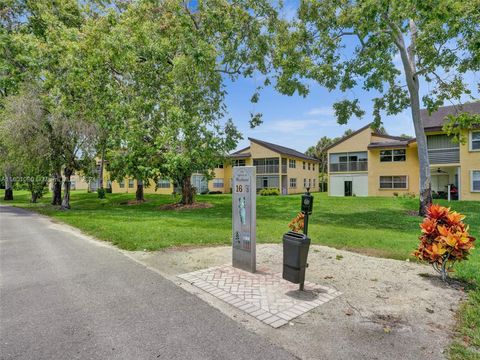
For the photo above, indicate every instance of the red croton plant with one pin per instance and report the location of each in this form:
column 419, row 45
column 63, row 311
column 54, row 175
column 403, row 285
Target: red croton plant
column 297, row 223
column 444, row 240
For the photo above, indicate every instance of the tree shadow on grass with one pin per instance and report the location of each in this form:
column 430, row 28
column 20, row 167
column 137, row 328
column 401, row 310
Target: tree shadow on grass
column 382, row 218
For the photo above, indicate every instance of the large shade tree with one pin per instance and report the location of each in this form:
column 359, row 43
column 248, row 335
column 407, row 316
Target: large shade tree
column 344, row 44
column 34, row 38
column 172, row 60
column 25, row 138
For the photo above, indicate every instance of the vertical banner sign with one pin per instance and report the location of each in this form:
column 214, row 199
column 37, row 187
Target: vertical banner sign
column 244, row 221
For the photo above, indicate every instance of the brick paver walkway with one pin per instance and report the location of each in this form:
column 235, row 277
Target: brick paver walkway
column 264, row 295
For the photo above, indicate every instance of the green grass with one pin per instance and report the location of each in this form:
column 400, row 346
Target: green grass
column 375, row 226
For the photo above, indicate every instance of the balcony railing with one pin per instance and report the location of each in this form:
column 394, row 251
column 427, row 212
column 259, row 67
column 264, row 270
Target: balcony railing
column 349, row 166
column 444, row 156
column 267, row 169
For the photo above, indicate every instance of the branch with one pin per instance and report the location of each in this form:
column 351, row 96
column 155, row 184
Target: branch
column 231, row 72
column 195, row 23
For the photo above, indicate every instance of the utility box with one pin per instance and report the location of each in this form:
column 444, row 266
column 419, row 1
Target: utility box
column 295, row 253
column 307, row 203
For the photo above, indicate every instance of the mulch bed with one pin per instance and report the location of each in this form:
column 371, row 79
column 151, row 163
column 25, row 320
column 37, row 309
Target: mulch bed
column 179, row 207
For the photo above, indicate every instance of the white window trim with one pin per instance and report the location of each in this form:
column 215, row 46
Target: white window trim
column 216, row 182
column 471, row 180
column 290, row 183
column 393, row 188
column 161, row 184
column 470, row 141
column 392, row 156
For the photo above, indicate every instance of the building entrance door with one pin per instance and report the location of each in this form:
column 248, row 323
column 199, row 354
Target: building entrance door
column 348, row 185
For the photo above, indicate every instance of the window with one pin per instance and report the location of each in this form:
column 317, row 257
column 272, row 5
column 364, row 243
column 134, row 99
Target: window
column 475, row 180
column 313, row 166
column 218, row 183
column 392, row 155
column 308, row 166
column 219, row 166
column 393, row 182
column 475, row 141
column 122, row 184
column 292, row 163
column 238, row 162
column 130, row 183
column 304, row 165
column 304, row 182
column 293, row 183
column 267, row 181
column 309, row 182
column 313, row 182
column 163, row 184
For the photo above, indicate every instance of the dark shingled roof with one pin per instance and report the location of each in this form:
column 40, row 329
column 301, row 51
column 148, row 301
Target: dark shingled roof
column 434, row 121
column 239, row 151
column 283, row 150
column 239, row 156
column 393, row 144
column 374, row 132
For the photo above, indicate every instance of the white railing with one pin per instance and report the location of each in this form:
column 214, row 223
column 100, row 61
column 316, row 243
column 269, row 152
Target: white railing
column 267, row 169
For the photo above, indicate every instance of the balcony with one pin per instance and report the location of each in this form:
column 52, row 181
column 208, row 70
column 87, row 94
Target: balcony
column 444, row 156
column 349, row 166
column 267, row 169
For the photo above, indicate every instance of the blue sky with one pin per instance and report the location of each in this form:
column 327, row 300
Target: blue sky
column 299, row 122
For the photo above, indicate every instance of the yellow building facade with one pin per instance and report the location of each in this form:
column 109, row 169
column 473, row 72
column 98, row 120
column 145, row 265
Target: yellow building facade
column 367, row 163
column 277, row 166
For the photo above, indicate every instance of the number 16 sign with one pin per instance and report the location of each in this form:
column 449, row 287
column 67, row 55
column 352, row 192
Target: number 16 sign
column 244, row 218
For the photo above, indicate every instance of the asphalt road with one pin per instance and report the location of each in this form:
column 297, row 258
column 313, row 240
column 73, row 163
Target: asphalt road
column 64, row 297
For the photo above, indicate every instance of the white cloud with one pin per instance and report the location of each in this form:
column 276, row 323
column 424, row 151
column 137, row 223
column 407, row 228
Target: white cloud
column 293, row 126
column 324, row 110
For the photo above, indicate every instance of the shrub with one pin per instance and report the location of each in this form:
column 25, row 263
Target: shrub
column 297, row 222
column 101, row 193
column 444, row 240
column 270, row 192
column 409, row 195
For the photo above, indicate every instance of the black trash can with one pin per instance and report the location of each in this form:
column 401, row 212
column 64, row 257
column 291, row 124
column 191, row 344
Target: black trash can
column 295, row 253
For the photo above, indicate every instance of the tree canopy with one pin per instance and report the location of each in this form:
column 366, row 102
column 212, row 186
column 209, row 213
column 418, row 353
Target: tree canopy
column 343, row 44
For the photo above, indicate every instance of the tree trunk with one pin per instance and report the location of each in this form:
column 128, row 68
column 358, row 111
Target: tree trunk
column 34, row 197
column 188, row 191
column 66, row 189
column 57, row 188
column 139, row 193
column 102, row 164
column 8, row 187
column 411, row 77
column 425, row 179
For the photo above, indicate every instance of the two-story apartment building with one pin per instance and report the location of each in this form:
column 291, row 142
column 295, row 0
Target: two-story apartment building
column 368, row 163
column 277, row 166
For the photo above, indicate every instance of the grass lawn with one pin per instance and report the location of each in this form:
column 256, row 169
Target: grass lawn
column 381, row 227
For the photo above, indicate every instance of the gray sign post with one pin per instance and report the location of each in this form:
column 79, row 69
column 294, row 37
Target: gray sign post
column 244, row 218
